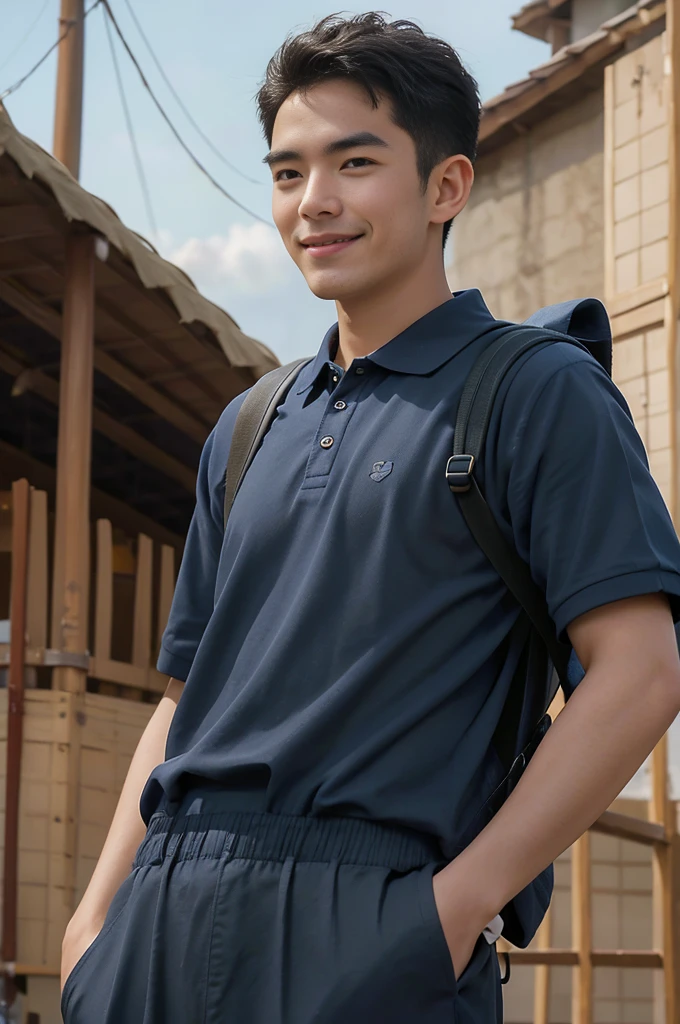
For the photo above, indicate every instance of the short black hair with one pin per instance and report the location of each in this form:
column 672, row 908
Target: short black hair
column 433, row 96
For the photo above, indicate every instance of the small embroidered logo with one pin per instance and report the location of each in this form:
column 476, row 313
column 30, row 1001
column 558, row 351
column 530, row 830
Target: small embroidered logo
column 381, row 470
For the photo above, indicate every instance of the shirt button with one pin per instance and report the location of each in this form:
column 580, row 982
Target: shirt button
column 340, row 405
column 360, row 369
column 326, row 442
column 335, row 378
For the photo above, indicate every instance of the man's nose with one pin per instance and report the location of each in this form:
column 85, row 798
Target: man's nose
column 319, row 199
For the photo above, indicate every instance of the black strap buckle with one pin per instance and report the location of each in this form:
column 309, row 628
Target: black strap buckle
column 459, row 471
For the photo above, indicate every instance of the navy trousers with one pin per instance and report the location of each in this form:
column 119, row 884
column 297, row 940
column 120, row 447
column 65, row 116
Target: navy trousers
column 232, row 915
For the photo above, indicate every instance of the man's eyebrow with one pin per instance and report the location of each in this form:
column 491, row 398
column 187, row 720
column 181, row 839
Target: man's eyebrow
column 277, row 156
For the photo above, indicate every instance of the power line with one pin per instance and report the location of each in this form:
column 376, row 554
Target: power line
column 181, row 104
column 171, row 126
column 20, row 82
column 133, row 141
column 26, row 36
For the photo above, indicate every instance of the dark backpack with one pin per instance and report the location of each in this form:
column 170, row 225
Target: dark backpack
column 548, row 663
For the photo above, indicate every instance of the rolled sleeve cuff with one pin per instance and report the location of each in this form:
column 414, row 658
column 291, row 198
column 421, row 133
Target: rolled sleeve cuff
column 631, row 584
column 172, row 665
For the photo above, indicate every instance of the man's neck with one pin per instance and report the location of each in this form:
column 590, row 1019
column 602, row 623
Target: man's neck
column 368, row 322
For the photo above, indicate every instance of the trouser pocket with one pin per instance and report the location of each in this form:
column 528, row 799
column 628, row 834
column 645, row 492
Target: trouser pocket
column 327, row 943
column 116, row 909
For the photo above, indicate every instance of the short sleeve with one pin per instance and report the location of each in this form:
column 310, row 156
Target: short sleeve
column 194, row 597
column 585, row 510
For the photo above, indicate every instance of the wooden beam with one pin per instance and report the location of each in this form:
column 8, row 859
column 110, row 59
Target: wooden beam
column 624, row 826
column 49, row 320
column 639, row 958
column 124, row 436
column 16, row 463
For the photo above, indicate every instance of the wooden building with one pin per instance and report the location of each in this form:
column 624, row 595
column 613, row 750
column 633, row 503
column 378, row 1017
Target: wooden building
column 576, row 194
column 113, row 370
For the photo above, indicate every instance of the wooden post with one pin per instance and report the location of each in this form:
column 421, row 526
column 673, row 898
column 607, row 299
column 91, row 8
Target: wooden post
column 72, row 530
column 68, row 116
column 663, row 883
column 581, row 916
column 542, row 973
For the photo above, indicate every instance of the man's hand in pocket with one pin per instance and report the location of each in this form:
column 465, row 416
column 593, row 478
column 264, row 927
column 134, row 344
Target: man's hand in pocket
column 462, row 923
column 78, row 937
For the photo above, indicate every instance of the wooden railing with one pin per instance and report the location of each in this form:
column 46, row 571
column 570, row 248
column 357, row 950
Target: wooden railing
column 129, row 679
column 659, row 832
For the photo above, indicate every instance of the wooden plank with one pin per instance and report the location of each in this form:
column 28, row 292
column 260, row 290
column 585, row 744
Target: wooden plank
column 634, row 958
column 542, row 972
column 166, row 591
column 118, row 672
column 581, row 916
column 624, row 826
column 37, row 596
column 529, row 957
column 639, row 319
column 141, row 632
column 642, row 958
column 103, row 615
column 636, row 297
column 128, row 675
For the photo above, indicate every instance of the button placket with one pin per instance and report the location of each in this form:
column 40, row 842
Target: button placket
column 332, row 427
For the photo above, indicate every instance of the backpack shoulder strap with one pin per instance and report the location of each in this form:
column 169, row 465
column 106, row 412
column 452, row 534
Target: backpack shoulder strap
column 253, row 421
column 472, row 423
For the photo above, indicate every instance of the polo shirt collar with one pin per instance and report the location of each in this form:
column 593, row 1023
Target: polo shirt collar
column 424, row 345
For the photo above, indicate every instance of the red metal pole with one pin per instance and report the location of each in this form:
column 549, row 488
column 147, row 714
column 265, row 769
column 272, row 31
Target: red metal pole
column 21, row 510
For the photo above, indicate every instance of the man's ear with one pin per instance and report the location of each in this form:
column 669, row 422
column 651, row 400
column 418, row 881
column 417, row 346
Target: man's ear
column 450, row 184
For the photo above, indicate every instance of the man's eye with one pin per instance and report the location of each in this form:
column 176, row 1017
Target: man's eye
column 278, row 175
column 358, row 160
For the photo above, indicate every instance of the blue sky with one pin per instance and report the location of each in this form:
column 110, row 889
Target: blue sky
column 215, row 54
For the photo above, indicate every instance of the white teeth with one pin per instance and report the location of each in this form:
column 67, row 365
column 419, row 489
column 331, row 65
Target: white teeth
column 333, row 242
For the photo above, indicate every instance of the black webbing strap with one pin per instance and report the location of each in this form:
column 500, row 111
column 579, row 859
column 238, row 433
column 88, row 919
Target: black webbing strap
column 253, row 421
column 472, row 422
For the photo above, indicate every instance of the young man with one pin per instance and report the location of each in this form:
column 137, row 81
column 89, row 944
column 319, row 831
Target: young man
column 341, row 654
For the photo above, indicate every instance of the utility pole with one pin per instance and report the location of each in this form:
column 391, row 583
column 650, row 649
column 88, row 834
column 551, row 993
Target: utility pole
column 68, row 118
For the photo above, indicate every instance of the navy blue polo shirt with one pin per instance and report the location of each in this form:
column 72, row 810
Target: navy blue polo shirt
column 345, row 641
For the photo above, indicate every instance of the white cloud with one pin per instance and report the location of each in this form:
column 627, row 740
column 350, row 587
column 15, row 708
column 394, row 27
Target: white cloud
column 249, row 259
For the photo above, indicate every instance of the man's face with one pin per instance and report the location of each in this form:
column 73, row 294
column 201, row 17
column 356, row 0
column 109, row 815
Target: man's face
column 365, row 193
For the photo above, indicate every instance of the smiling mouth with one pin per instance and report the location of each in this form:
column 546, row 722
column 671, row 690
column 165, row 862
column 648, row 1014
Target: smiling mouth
column 331, row 246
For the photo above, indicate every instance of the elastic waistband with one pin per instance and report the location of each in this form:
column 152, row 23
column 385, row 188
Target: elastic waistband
column 209, row 822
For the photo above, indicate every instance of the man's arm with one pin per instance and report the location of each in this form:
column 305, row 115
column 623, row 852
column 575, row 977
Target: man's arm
column 124, row 836
column 627, row 700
